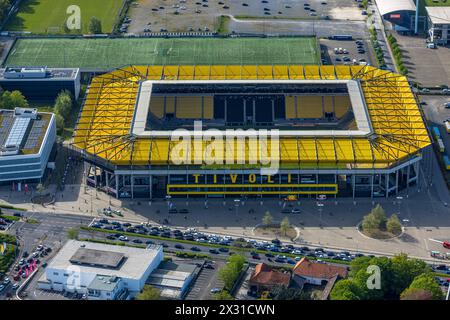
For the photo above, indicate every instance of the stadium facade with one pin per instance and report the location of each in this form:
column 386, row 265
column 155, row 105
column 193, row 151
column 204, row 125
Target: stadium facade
column 253, row 131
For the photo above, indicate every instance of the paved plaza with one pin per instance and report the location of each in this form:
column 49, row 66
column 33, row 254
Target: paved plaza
column 423, row 210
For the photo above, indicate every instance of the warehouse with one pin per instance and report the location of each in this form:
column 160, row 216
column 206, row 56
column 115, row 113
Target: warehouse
column 253, row 131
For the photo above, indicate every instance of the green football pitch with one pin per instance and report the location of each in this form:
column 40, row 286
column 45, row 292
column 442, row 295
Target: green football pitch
column 114, row 53
column 49, row 16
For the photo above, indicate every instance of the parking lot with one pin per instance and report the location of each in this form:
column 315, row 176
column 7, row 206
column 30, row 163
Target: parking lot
column 205, row 282
column 353, row 52
column 196, row 15
column 5, row 224
column 428, row 67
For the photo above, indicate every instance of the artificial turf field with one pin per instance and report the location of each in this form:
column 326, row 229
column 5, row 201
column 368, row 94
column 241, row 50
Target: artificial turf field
column 114, row 53
column 48, row 16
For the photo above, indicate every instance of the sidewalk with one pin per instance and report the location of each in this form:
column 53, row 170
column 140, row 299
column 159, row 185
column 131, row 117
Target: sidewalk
column 382, row 38
column 424, row 213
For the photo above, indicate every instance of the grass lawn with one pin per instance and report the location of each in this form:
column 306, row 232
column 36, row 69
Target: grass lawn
column 438, row 3
column 114, row 53
column 49, row 16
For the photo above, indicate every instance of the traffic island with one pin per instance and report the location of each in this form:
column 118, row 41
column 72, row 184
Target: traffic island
column 376, row 225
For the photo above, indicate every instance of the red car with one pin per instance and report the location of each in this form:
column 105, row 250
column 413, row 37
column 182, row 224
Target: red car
column 446, row 244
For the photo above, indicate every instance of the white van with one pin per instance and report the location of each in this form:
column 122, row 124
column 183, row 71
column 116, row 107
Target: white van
column 431, row 45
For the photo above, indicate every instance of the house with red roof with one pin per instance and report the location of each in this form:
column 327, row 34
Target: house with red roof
column 316, row 273
column 264, row 278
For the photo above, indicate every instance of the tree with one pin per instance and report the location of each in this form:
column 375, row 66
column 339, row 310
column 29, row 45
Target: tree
column 267, row 219
column 223, row 295
column 424, row 282
column 283, row 293
column 375, row 220
column 63, row 104
column 416, row 294
column 230, row 272
column 95, row 26
column 285, row 225
column 228, row 275
column 72, row 233
column 393, row 225
column 40, row 189
column 14, row 99
column 59, row 123
column 149, row 293
column 345, row 290
column 237, row 261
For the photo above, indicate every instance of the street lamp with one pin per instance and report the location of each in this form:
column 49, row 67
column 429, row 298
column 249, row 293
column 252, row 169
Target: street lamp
column 236, row 205
column 320, row 208
column 399, row 200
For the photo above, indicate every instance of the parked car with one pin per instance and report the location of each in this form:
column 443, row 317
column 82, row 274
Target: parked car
column 179, row 246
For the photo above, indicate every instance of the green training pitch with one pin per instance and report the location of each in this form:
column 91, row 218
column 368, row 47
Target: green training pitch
column 49, row 16
column 114, row 53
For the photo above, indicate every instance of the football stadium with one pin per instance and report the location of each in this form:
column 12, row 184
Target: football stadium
column 250, row 131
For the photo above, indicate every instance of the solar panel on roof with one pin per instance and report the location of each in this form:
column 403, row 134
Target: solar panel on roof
column 17, row 132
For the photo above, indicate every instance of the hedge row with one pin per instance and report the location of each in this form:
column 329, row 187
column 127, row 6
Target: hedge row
column 378, row 51
column 397, row 54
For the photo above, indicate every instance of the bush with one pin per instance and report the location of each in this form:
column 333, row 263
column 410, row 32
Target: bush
column 95, row 26
column 393, row 225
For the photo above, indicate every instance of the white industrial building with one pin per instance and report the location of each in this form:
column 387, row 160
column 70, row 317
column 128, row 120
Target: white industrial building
column 101, row 271
column 439, row 24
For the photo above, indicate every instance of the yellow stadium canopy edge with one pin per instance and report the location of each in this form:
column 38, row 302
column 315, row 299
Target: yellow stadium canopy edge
column 103, row 127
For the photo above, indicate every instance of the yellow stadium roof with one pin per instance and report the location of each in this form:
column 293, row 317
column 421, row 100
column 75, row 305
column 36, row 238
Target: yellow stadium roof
column 104, row 126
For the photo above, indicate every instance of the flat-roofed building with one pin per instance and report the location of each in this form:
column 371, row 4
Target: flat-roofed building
column 439, row 24
column 173, row 279
column 27, row 138
column 41, row 83
column 101, row 271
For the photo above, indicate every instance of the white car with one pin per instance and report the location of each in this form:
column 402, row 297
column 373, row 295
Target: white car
column 123, row 238
column 447, row 105
column 15, row 286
